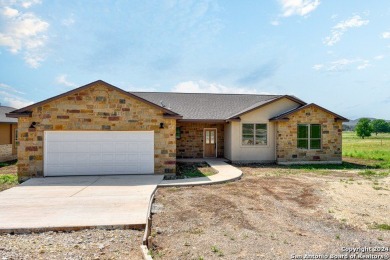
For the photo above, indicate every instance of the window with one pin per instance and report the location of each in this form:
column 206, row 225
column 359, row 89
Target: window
column 16, row 134
column 178, row 133
column 254, row 134
column 309, row 136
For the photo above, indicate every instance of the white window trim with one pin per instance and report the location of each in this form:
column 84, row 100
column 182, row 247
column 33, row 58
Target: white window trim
column 255, row 145
column 309, row 138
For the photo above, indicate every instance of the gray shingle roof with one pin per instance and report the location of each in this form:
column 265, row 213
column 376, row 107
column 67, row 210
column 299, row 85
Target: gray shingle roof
column 3, row 118
column 206, row 106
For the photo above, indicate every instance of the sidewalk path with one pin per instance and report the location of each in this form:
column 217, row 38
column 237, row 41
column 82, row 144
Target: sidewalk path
column 226, row 172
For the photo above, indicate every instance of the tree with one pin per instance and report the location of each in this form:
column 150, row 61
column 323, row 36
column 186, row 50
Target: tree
column 379, row 126
column 363, row 128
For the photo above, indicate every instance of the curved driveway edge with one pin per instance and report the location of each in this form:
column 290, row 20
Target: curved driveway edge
column 226, row 172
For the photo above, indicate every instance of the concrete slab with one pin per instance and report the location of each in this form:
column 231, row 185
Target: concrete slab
column 72, row 203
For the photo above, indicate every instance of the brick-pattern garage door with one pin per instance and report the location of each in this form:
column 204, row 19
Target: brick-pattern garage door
column 98, row 152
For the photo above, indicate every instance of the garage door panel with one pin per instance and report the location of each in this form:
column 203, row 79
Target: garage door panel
column 108, row 157
column 122, row 168
column 67, row 158
column 146, row 147
column 81, row 157
column 98, row 152
column 95, row 157
column 53, row 158
column 94, row 147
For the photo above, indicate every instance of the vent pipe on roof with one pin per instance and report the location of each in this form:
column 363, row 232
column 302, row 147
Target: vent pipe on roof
column 162, row 104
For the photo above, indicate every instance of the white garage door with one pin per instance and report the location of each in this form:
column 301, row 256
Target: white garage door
column 98, row 152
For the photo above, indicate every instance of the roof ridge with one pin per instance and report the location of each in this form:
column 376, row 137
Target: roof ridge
column 169, row 92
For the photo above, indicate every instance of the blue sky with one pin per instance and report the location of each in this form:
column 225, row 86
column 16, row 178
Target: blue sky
column 333, row 53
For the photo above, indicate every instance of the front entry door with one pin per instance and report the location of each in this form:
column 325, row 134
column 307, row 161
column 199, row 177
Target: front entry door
column 210, row 144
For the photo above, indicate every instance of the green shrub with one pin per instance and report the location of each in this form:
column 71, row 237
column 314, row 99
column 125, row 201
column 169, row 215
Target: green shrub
column 8, row 179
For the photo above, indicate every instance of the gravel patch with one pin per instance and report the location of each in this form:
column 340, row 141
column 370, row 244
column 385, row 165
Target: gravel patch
column 85, row 244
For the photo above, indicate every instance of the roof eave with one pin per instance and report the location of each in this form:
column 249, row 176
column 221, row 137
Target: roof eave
column 237, row 119
column 279, row 119
column 202, row 120
column 173, row 116
column 342, row 119
column 15, row 114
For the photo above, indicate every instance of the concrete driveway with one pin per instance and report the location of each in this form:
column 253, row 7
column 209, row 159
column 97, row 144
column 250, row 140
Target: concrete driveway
column 71, row 203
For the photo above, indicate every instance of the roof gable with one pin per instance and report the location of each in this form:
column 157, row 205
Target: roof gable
column 267, row 102
column 285, row 116
column 26, row 111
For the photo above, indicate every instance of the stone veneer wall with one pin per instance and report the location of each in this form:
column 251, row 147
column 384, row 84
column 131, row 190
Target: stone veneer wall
column 190, row 145
column 97, row 108
column 6, row 153
column 286, row 144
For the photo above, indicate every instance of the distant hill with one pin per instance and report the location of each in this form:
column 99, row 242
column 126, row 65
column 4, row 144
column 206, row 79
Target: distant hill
column 352, row 123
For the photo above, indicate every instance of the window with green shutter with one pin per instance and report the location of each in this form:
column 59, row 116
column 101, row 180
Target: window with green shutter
column 309, row 136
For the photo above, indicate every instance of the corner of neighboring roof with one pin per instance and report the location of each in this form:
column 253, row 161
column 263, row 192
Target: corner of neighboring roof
column 267, row 102
column 26, row 111
column 284, row 116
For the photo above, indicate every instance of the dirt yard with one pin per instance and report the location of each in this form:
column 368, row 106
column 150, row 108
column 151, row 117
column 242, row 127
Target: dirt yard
column 273, row 213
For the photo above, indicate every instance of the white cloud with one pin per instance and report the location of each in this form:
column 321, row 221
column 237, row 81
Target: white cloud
column 29, row 3
column 343, row 64
column 207, row 87
column 379, row 57
column 9, row 88
column 24, row 33
column 298, row 7
column 318, row 66
column 9, row 12
column 62, row 80
column 339, row 29
column 365, row 64
column 68, row 21
column 17, row 102
column 33, row 59
column 275, row 23
column 12, row 97
column 386, row 35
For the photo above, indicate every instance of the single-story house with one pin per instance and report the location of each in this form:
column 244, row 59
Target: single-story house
column 8, row 136
column 101, row 129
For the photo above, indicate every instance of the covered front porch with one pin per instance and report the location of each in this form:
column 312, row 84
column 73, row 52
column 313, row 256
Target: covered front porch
column 200, row 139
